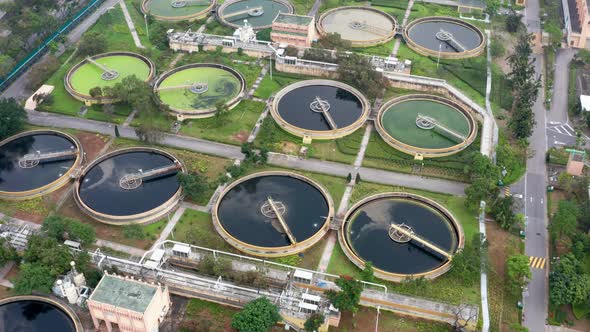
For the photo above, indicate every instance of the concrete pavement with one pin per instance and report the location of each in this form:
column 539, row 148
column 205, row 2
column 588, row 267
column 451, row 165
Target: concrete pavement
column 559, row 130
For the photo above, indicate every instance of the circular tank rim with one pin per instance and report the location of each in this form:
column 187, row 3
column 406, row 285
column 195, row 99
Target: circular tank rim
column 425, row 152
column 273, row 251
column 104, row 99
column 320, row 134
column 191, row 17
column 50, row 187
column 221, row 8
column 359, row 43
column 65, row 309
column 145, row 217
column 445, row 55
column 206, row 112
column 397, row 277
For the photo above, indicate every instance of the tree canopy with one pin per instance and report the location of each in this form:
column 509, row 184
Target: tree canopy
column 484, row 176
column 518, row 271
column 565, row 220
column 62, row 228
column 257, row 316
column 349, row 296
column 92, row 43
column 12, row 119
column 194, row 185
column 313, row 323
column 568, row 282
column 358, row 71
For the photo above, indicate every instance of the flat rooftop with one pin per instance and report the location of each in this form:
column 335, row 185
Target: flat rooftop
column 293, row 19
column 124, row 293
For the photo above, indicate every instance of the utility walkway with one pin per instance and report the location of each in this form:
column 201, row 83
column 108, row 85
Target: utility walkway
column 130, row 24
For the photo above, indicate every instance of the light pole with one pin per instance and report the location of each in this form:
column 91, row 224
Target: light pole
column 146, row 25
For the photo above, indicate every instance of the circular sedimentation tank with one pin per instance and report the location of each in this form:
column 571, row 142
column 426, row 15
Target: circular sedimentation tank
column 37, row 314
column 272, row 214
column 193, row 90
column 37, row 162
column 178, row 10
column 449, row 37
column 133, row 185
column 320, row 109
column 106, row 70
column 426, row 125
column 362, row 26
column 403, row 235
column 259, row 13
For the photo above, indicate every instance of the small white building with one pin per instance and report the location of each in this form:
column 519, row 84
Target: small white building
column 585, row 102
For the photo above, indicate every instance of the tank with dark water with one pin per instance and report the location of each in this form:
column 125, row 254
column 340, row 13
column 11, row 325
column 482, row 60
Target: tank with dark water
column 245, row 212
column 368, row 233
column 35, row 160
column 121, row 185
column 450, row 36
column 305, row 107
column 34, row 316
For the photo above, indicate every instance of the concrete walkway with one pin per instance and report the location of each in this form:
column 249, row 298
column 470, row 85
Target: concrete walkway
column 485, row 310
column 130, row 118
column 257, row 82
column 170, row 226
column 404, row 21
column 130, row 24
column 327, row 253
column 192, row 206
column 120, row 247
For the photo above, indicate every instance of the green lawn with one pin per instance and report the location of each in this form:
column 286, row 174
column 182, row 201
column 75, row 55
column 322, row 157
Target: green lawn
column 201, row 313
column 445, row 288
column 279, row 80
column 234, row 129
column 196, row 228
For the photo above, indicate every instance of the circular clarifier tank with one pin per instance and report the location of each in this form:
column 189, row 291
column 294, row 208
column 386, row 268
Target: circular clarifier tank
column 320, row 109
column 37, row 162
column 177, row 10
column 259, row 13
column 403, row 235
column 193, row 90
column 37, row 314
column 426, row 124
column 106, row 70
column 273, row 213
column 135, row 185
column 362, row 26
column 446, row 37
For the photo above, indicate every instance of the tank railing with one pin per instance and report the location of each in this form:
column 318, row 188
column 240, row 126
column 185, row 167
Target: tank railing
column 102, row 67
column 446, row 131
column 326, row 113
column 244, row 11
column 181, row 86
column 192, row 2
column 376, row 30
column 448, row 37
column 410, row 233
column 33, row 159
column 134, row 180
column 279, row 216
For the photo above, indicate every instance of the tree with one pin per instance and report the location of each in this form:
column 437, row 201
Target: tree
column 367, row 274
column 334, row 41
column 158, row 35
column 565, row 221
column 513, row 22
column 95, row 92
column 555, row 33
column 149, row 132
column 518, row 271
column 47, row 252
column 349, row 296
column 502, row 211
column 194, row 185
column 33, row 278
column 13, row 117
column 6, row 64
column 484, row 176
column 221, row 112
column 464, row 316
column 41, row 71
column 525, row 87
column 357, row 180
column 468, row 263
column 264, row 34
column 348, row 178
column 7, row 252
column 313, row 323
column 358, row 71
column 62, row 228
column 92, row 43
column 568, row 282
column 257, row 316
column 117, row 134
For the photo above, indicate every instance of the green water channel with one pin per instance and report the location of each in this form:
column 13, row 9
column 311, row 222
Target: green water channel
column 399, row 121
column 222, row 85
column 164, row 8
column 88, row 75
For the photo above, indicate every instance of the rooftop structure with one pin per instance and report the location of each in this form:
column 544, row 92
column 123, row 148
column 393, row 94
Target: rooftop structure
column 577, row 22
column 293, row 29
column 132, row 305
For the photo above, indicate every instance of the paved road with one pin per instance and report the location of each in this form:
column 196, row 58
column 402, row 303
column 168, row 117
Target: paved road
column 315, row 8
column 17, row 88
column 234, row 152
column 534, row 195
column 559, row 129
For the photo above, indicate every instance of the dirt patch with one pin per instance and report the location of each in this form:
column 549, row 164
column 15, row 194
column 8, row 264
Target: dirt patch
column 32, row 217
column 289, row 148
column 363, row 321
column 241, row 136
column 5, row 292
column 498, row 251
column 509, row 41
column 92, row 144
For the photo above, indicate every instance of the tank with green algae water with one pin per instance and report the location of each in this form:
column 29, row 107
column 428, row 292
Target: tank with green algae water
column 259, row 13
column 176, row 8
column 400, row 122
column 90, row 74
column 198, row 88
